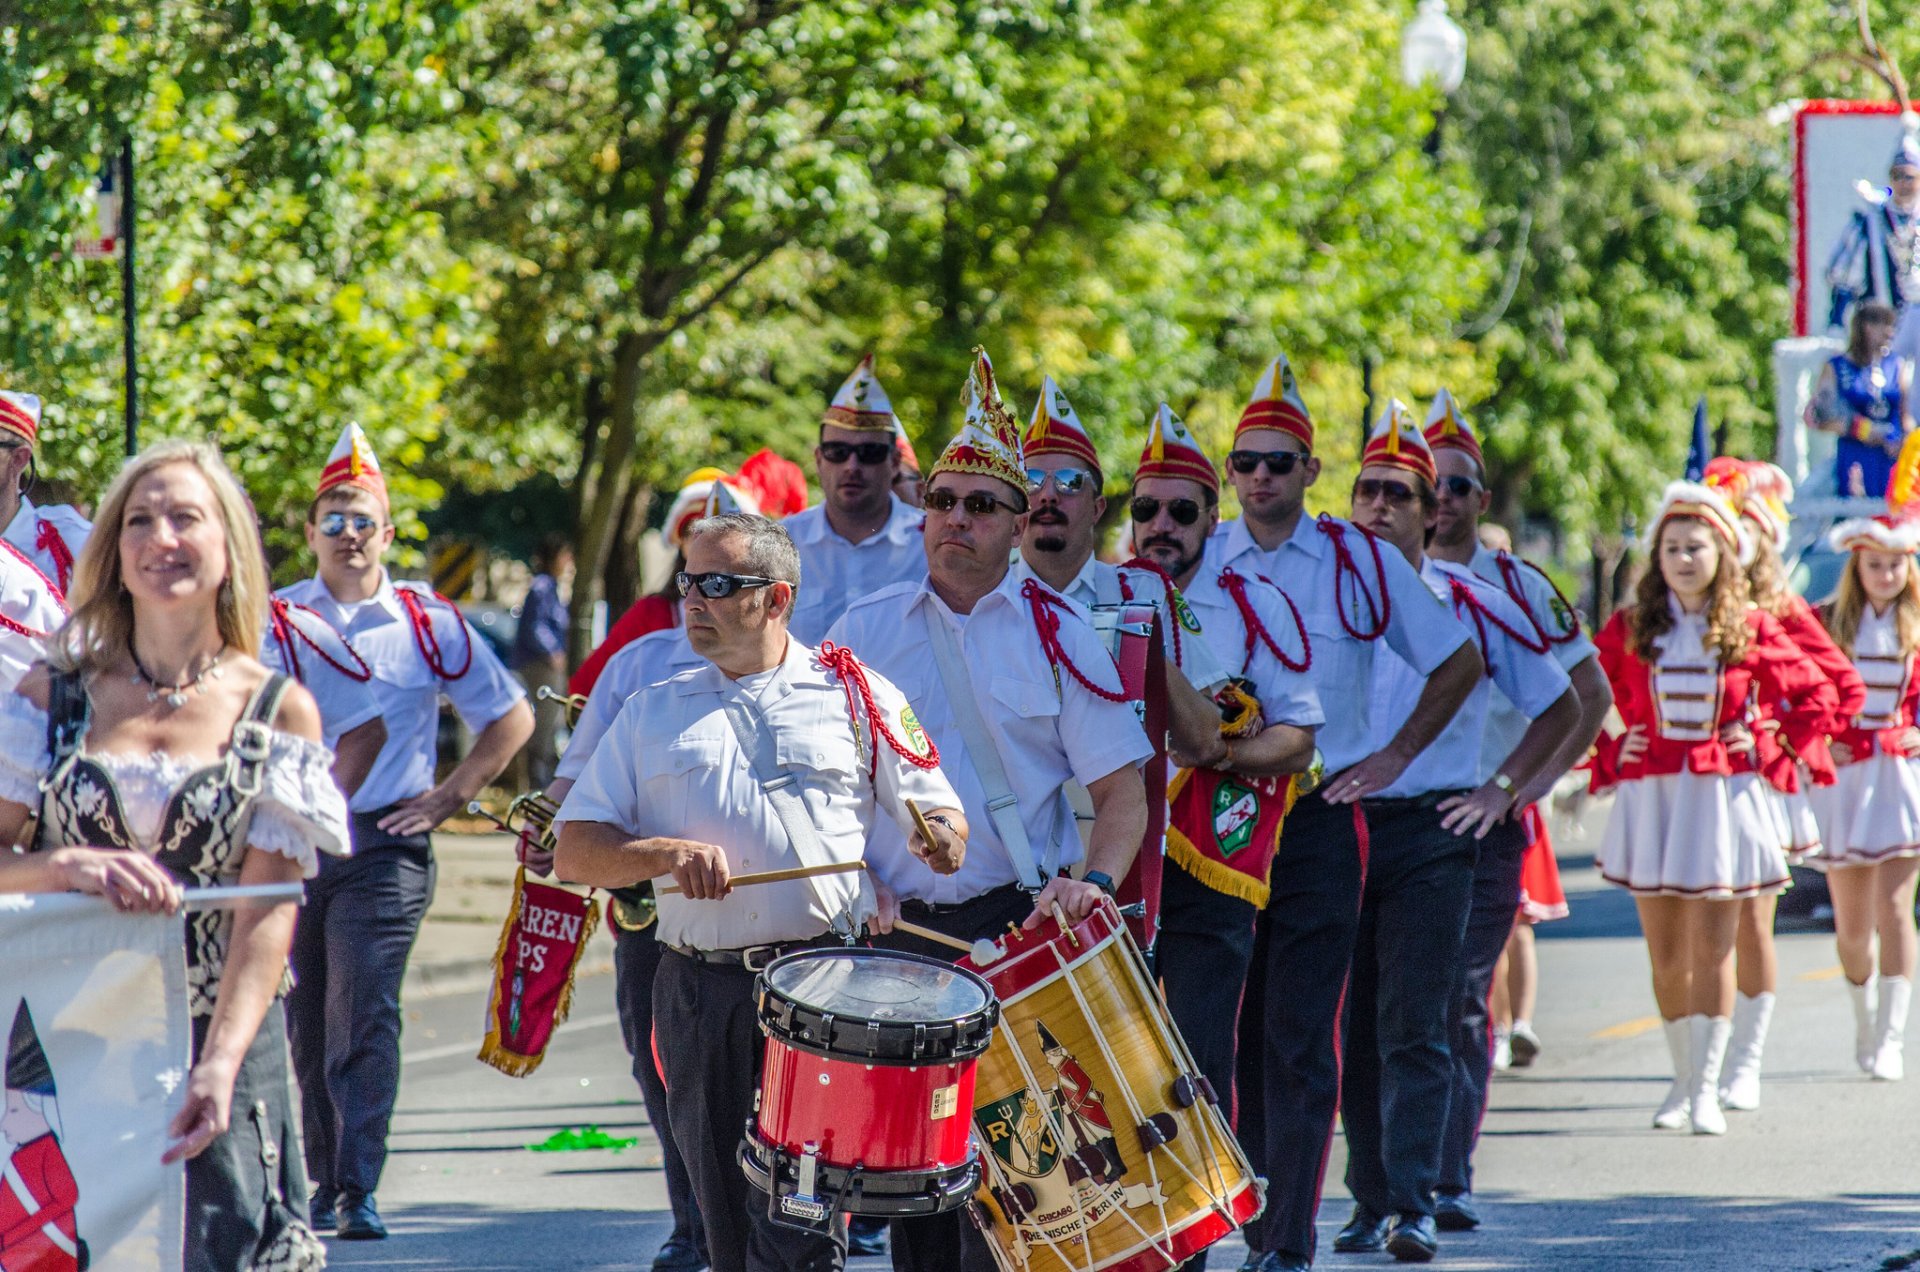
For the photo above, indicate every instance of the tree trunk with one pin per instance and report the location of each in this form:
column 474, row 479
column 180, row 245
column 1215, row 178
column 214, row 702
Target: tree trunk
column 606, row 488
column 621, row 582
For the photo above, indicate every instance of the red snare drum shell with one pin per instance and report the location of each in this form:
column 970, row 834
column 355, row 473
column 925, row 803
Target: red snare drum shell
column 880, row 1117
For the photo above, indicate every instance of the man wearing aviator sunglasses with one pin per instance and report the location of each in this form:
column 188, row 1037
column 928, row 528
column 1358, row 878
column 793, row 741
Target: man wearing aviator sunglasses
column 861, row 536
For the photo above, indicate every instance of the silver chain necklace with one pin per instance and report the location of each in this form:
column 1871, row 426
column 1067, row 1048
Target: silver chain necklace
column 175, row 696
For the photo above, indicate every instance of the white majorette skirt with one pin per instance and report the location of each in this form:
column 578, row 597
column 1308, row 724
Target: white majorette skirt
column 1695, row 835
column 1871, row 813
column 1799, row 828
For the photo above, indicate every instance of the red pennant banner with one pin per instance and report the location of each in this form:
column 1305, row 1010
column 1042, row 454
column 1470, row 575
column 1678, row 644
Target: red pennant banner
column 546, row 932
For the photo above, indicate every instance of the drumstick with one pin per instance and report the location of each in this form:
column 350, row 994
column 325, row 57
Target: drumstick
column 938, row 938
column 779, row 876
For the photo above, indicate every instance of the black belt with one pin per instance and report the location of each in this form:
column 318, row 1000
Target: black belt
column 1428, row 801
column 928, row 907
column 751, row 958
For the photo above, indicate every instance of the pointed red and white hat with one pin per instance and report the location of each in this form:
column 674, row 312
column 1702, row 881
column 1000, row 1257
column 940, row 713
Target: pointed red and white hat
column 1397, row 442
column 20, row 415
column 353, row 463
column 1056, row 430
column 1277, row 404
column 1447, row 429
column 707, row 492
column 988, row 442
column 1898, row 528
column 861, row 404
column 1171, row 451
column 1709, row 504
column 904, row 444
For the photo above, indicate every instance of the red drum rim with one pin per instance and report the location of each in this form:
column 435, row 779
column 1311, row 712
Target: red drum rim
column 857, row 1039
column 1022, row 967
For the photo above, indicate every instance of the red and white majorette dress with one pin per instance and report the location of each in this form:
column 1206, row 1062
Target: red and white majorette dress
column 1689, row 818
column 1872, row 811
column 1542, row 899
column 1778, row 763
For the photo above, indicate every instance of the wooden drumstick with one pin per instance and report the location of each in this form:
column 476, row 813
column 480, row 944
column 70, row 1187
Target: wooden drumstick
column 779, row 876
column 920, row 824
column 928, row 934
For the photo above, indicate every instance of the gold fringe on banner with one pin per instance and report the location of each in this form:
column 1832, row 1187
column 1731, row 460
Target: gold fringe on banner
column 1213, row 872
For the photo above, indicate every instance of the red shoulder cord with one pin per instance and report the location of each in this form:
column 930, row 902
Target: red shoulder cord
column 1510, row 576
column 1236, row 587
column 1464, row 598
column 853, row 678
column 1173, row 596
column 1344, row 567
column 1046, row 620
column 46, row 538
column 59, row 593
column 429, row 643
column 285, row 630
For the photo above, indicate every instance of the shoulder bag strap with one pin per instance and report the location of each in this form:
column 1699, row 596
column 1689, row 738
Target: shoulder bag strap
column 253, row 736
column 68, row 715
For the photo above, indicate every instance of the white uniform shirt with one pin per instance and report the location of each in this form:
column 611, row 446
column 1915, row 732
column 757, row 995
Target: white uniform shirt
column 1506, row 723
column 1098, row 583
column 407, row 690
column 671, row 767
column 1419, row 628
column 319, row 652
column 834, row 571
column 1048, row 728
column 27, row 601
column 1286, row 696
column 652, row 658
column 1460, row 758
column 24, row 533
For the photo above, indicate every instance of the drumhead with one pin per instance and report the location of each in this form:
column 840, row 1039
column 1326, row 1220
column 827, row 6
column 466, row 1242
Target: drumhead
column 877, row 985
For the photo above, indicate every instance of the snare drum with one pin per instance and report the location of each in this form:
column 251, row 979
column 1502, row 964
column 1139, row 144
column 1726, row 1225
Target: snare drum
column 1105, row 1151
column 867, row 1085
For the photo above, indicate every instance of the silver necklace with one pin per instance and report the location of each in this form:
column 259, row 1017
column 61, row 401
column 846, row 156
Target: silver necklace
column 175, row 696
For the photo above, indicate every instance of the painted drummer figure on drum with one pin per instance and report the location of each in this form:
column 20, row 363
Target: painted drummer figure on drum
column 772, row 757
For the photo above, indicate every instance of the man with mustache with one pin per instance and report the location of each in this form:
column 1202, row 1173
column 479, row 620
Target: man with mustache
column 1352, row 593
column 1022, row 699
column 861, row 536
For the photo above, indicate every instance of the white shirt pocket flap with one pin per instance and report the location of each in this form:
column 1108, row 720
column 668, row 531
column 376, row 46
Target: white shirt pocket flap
column 1025, row 698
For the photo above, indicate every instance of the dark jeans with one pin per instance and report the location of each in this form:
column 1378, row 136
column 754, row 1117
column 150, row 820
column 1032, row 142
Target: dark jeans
column 350, row 951
column 1496, row 898
column 1393, row 1100
column 1293, row 1056
column 636, row 958
column 711, row 1049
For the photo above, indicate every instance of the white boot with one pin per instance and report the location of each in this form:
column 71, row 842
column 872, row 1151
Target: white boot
column 1896, row 992
column 1863, row 1031
column 1673, row 1110
column 1709, row 1036
column 1740, row 1084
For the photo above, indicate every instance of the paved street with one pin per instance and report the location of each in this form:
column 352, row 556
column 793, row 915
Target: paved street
column 1824, row 1177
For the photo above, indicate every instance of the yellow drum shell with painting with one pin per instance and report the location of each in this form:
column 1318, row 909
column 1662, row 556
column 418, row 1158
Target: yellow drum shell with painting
column 1102, row 1151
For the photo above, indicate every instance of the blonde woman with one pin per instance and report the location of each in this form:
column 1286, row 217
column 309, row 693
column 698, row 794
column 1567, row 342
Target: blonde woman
column 1870, row 818
column 178, row 750
column 1692, row 829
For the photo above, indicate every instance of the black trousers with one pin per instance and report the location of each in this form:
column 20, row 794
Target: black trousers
column 1393, row 1100
column 636, row 959
column 1496, row 899
column 950, row 1242
column 711, row 1049
column 1290, row 1028
column 350, row 949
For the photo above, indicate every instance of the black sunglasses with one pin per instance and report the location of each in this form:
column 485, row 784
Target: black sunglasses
column 1279, row 463
column 1183, row 511
column 1068, row 481
column 335, row 524
column 1459, row 487
column 1394, row 492
column 868, row 453
column 979, row 503
column 717, row 586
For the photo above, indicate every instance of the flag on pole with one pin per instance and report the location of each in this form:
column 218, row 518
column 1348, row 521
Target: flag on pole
column 1702, row 449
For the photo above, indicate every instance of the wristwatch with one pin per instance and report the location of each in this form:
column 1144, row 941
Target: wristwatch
column 1505, row 784
column 1101, row 880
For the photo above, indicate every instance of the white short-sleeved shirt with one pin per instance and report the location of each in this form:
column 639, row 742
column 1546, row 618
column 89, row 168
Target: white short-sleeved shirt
column 834, row 571
column 320, row 658
column 1306, row 567
column 1286, row 696
column 1049, row 729
column 406, row 688
column 1100, row 583
column 1462, row 757
column 1566, row 641
column 32, row 611
column 652, row 658
column 671, row 767
column 33, row 529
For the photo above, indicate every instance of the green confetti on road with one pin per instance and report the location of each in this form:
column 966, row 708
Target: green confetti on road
column 579, row 1139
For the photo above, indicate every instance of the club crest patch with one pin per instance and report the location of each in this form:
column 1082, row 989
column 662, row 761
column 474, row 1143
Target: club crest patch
column 1236, row 809
column 917, row 738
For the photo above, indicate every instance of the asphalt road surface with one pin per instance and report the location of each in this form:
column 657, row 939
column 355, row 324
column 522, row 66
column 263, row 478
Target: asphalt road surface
column 1571, row 1176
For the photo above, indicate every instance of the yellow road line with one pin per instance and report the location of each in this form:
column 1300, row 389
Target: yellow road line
column 1824, row 973
column 1628, row 1028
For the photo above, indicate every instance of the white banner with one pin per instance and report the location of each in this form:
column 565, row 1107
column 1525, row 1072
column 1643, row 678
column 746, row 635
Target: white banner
column 98, row 1040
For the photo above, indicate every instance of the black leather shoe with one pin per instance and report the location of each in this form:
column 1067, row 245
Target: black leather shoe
column 679, row 1255
column 1413, row 1239
column 866, row 1237
column 1274, row 1261
column 320, row 1212
column 1252, row 1262
column 359, row 1220
column 1365, row 1233
column 1455, row 1212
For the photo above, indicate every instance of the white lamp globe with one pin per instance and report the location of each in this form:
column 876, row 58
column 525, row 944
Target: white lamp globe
column 1433, row 48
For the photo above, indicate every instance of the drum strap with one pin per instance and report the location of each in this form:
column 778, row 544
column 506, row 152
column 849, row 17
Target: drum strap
column 1106, row 589
column 1003, row 810
column 782, row 790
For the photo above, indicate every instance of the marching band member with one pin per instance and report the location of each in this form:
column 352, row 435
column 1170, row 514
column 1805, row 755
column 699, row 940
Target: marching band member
column 1450, row 806
column 1352, row 593
column 861, row 536
column 1760, row 493
column 363, row 912
column 1870, row 817
column 1461, row 500
column 304, row 645
column 1024, row 698
column 682, row 785
column 51, row 537
column 1692, row 828
column 31, row 610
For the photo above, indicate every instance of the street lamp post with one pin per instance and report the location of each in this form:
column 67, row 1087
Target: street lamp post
column 1433, row 50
